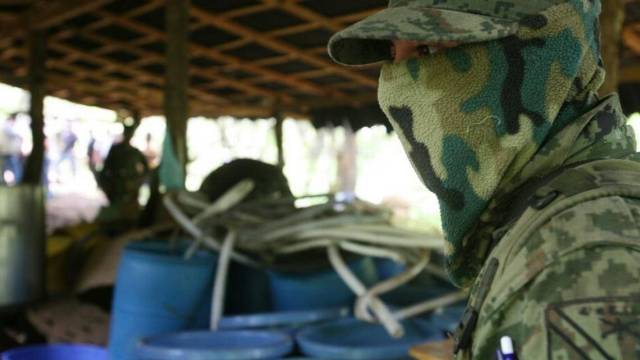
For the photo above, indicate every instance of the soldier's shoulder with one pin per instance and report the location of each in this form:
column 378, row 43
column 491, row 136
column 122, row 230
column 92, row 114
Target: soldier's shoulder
column 602, row 221
column 571, row 242
column 566, row 291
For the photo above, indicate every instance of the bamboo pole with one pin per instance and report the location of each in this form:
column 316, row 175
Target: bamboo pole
column 176, row 107
column 279, row 140
column 36, row 81
column 611, row 21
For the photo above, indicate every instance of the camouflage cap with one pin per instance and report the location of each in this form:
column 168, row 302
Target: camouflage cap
column 462, row 21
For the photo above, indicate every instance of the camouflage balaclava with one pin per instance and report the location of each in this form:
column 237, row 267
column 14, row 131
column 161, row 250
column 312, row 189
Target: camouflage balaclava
column 472, row 117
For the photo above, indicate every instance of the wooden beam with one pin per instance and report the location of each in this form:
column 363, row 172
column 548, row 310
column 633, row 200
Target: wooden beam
column 151, row 5
column 631, row 37
column 13, row 2
column 110, row 88
column 110, row 65
column 296, row 29
column 36, row 79
column 80, row 83
column 279, row 139
column 231, row 62
column 247, row 10
column 307, row 14
column 46, row 13
column 148, row 57
column 630, row 74
column 176, row 102
column 611, row 20
column 8, row 29
column 279, row 46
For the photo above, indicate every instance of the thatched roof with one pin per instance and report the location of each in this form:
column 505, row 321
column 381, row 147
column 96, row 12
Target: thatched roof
column 247, row 57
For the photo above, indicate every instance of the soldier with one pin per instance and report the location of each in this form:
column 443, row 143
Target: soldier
column 496, row 104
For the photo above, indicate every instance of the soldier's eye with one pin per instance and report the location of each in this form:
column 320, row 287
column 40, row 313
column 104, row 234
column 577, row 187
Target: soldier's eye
column 424, row 50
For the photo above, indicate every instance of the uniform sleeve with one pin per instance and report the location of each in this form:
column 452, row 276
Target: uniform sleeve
column 585, row 306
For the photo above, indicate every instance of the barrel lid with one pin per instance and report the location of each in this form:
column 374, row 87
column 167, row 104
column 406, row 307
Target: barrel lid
column 354, row 339
column 56, row 352
column 221, row 345
column 283, row 319
column 167, row 251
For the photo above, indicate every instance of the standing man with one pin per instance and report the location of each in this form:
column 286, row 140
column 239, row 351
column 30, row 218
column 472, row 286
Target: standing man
column 124, row 171
column 69, row 140
column 496, row 104
column 10, row 150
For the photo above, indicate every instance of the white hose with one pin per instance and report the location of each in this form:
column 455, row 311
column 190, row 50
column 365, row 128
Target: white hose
column 365, row 300
column 358, row 227
column 393, row 327
column 299, row 247
column 335, row 222
column 195, row 231
column 189, row 199
column 373, row 238
column 220, row 284
column 430, row 305
column 372, row 251
column 352, row 247
column 227, row 200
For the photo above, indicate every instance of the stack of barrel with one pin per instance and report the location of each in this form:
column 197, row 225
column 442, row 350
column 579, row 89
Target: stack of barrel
column 162, row 308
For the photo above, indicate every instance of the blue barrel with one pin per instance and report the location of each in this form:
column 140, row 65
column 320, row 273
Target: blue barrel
column 245, row 294
column 387, row 268
column 413, row 293
column 219, row 345
column 317, row 290
column 351, row 339
column 158, row 291
column 447, row 319
column 56, row 352
column 247, row 290
column 288, row 321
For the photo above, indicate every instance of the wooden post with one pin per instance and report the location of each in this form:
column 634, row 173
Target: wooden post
column 37, row 43
column 279, row 140
column 176, row 102
column 348, row 161
column 611, row 21
column 137, row 118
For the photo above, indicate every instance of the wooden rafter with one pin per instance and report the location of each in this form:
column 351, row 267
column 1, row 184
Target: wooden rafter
column 115, row 66
column 631, row 37
column 86, row 57
column 47, row 13
column 278, row 45
column 630, row 74
column 234, row 62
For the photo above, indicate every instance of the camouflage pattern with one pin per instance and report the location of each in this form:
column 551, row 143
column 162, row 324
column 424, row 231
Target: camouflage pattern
column 481, row 123
column 464, row 21
column 566, row 281
column 471, row 119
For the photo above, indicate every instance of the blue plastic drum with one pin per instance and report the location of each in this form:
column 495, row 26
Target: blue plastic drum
column 348, row 339
column 387, row 268
column 220, row 345
column 56, row 352
column 317, row 290
column 417, row 291
column 158, row 291
column 247, row 290
column 288, row 321
column 447, row 319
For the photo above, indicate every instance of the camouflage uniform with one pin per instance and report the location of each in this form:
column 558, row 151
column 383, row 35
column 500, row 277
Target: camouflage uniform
column 535, row 174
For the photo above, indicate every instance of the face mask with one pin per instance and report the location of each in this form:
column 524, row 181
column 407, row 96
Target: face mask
column 471, row 117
